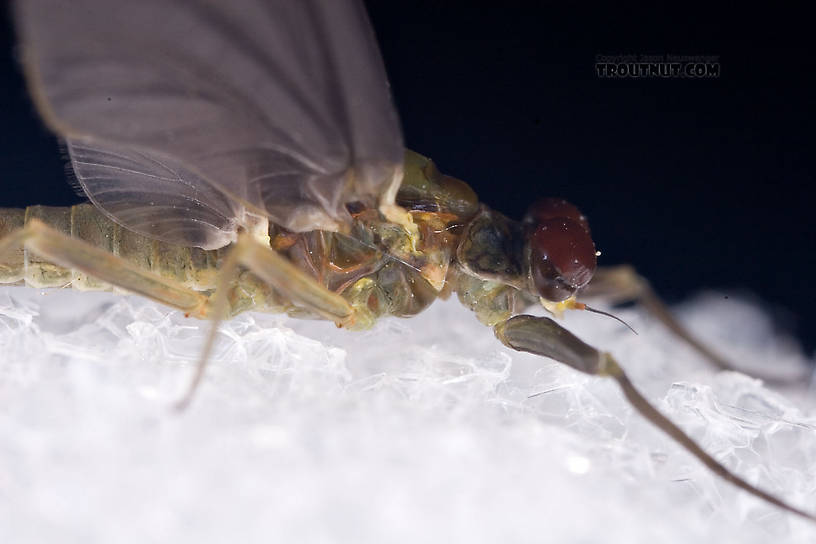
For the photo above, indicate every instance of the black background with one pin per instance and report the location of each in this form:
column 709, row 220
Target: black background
column 700, row 183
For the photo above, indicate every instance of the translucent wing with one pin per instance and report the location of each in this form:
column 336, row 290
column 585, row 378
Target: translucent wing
column 196, row 111
column 155, row 196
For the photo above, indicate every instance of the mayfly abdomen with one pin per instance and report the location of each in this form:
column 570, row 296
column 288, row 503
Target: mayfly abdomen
column 372, row 283
column 191, row 267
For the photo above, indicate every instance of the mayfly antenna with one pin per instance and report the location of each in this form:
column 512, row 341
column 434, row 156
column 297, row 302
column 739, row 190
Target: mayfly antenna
column 607, row 314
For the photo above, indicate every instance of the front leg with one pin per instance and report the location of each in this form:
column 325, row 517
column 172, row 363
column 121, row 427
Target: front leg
column 543, row 336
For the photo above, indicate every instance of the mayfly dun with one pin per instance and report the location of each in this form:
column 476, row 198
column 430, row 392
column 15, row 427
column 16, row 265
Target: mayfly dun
column 246, row 156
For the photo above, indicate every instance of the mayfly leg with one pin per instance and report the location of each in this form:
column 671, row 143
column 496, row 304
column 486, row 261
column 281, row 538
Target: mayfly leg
column 277, row 272
column 622, row 284
column 543, row 336
column 295, row 285
column 73, row 253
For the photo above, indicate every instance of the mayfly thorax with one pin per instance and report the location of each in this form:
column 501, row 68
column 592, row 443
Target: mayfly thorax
column 254, row 161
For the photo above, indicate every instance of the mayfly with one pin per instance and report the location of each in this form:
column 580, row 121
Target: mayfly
column 246, row 155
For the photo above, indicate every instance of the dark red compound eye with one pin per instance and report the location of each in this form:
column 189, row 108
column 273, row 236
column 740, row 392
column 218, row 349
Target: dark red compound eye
column 562, row 253
column 552, row 208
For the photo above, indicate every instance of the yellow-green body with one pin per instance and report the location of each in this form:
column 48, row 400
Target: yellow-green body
column 192, row 267
column 378, row 269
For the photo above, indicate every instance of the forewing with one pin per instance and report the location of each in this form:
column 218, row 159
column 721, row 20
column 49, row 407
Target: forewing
column 281, row 107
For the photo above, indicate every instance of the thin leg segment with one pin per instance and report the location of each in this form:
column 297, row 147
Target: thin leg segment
column 70, row 252
column 543, row 336
column 291, row 281
column 621, row 284
column 287, row 279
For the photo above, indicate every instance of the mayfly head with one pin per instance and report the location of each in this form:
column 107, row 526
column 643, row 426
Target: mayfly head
column 562, row 256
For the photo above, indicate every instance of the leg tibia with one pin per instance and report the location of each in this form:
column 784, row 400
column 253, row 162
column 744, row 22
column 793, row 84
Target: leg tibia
column 543, row 336
column 188, row 266
column 69, row 254
column 292, row 282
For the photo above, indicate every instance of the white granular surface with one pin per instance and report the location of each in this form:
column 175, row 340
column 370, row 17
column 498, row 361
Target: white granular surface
column 421, row 430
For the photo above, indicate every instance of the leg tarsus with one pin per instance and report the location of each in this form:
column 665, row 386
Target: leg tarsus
column 77, row 254
column 543, row 336
column 620, row 284
column 219, row 310
column 644, row 408
column 276, row 271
